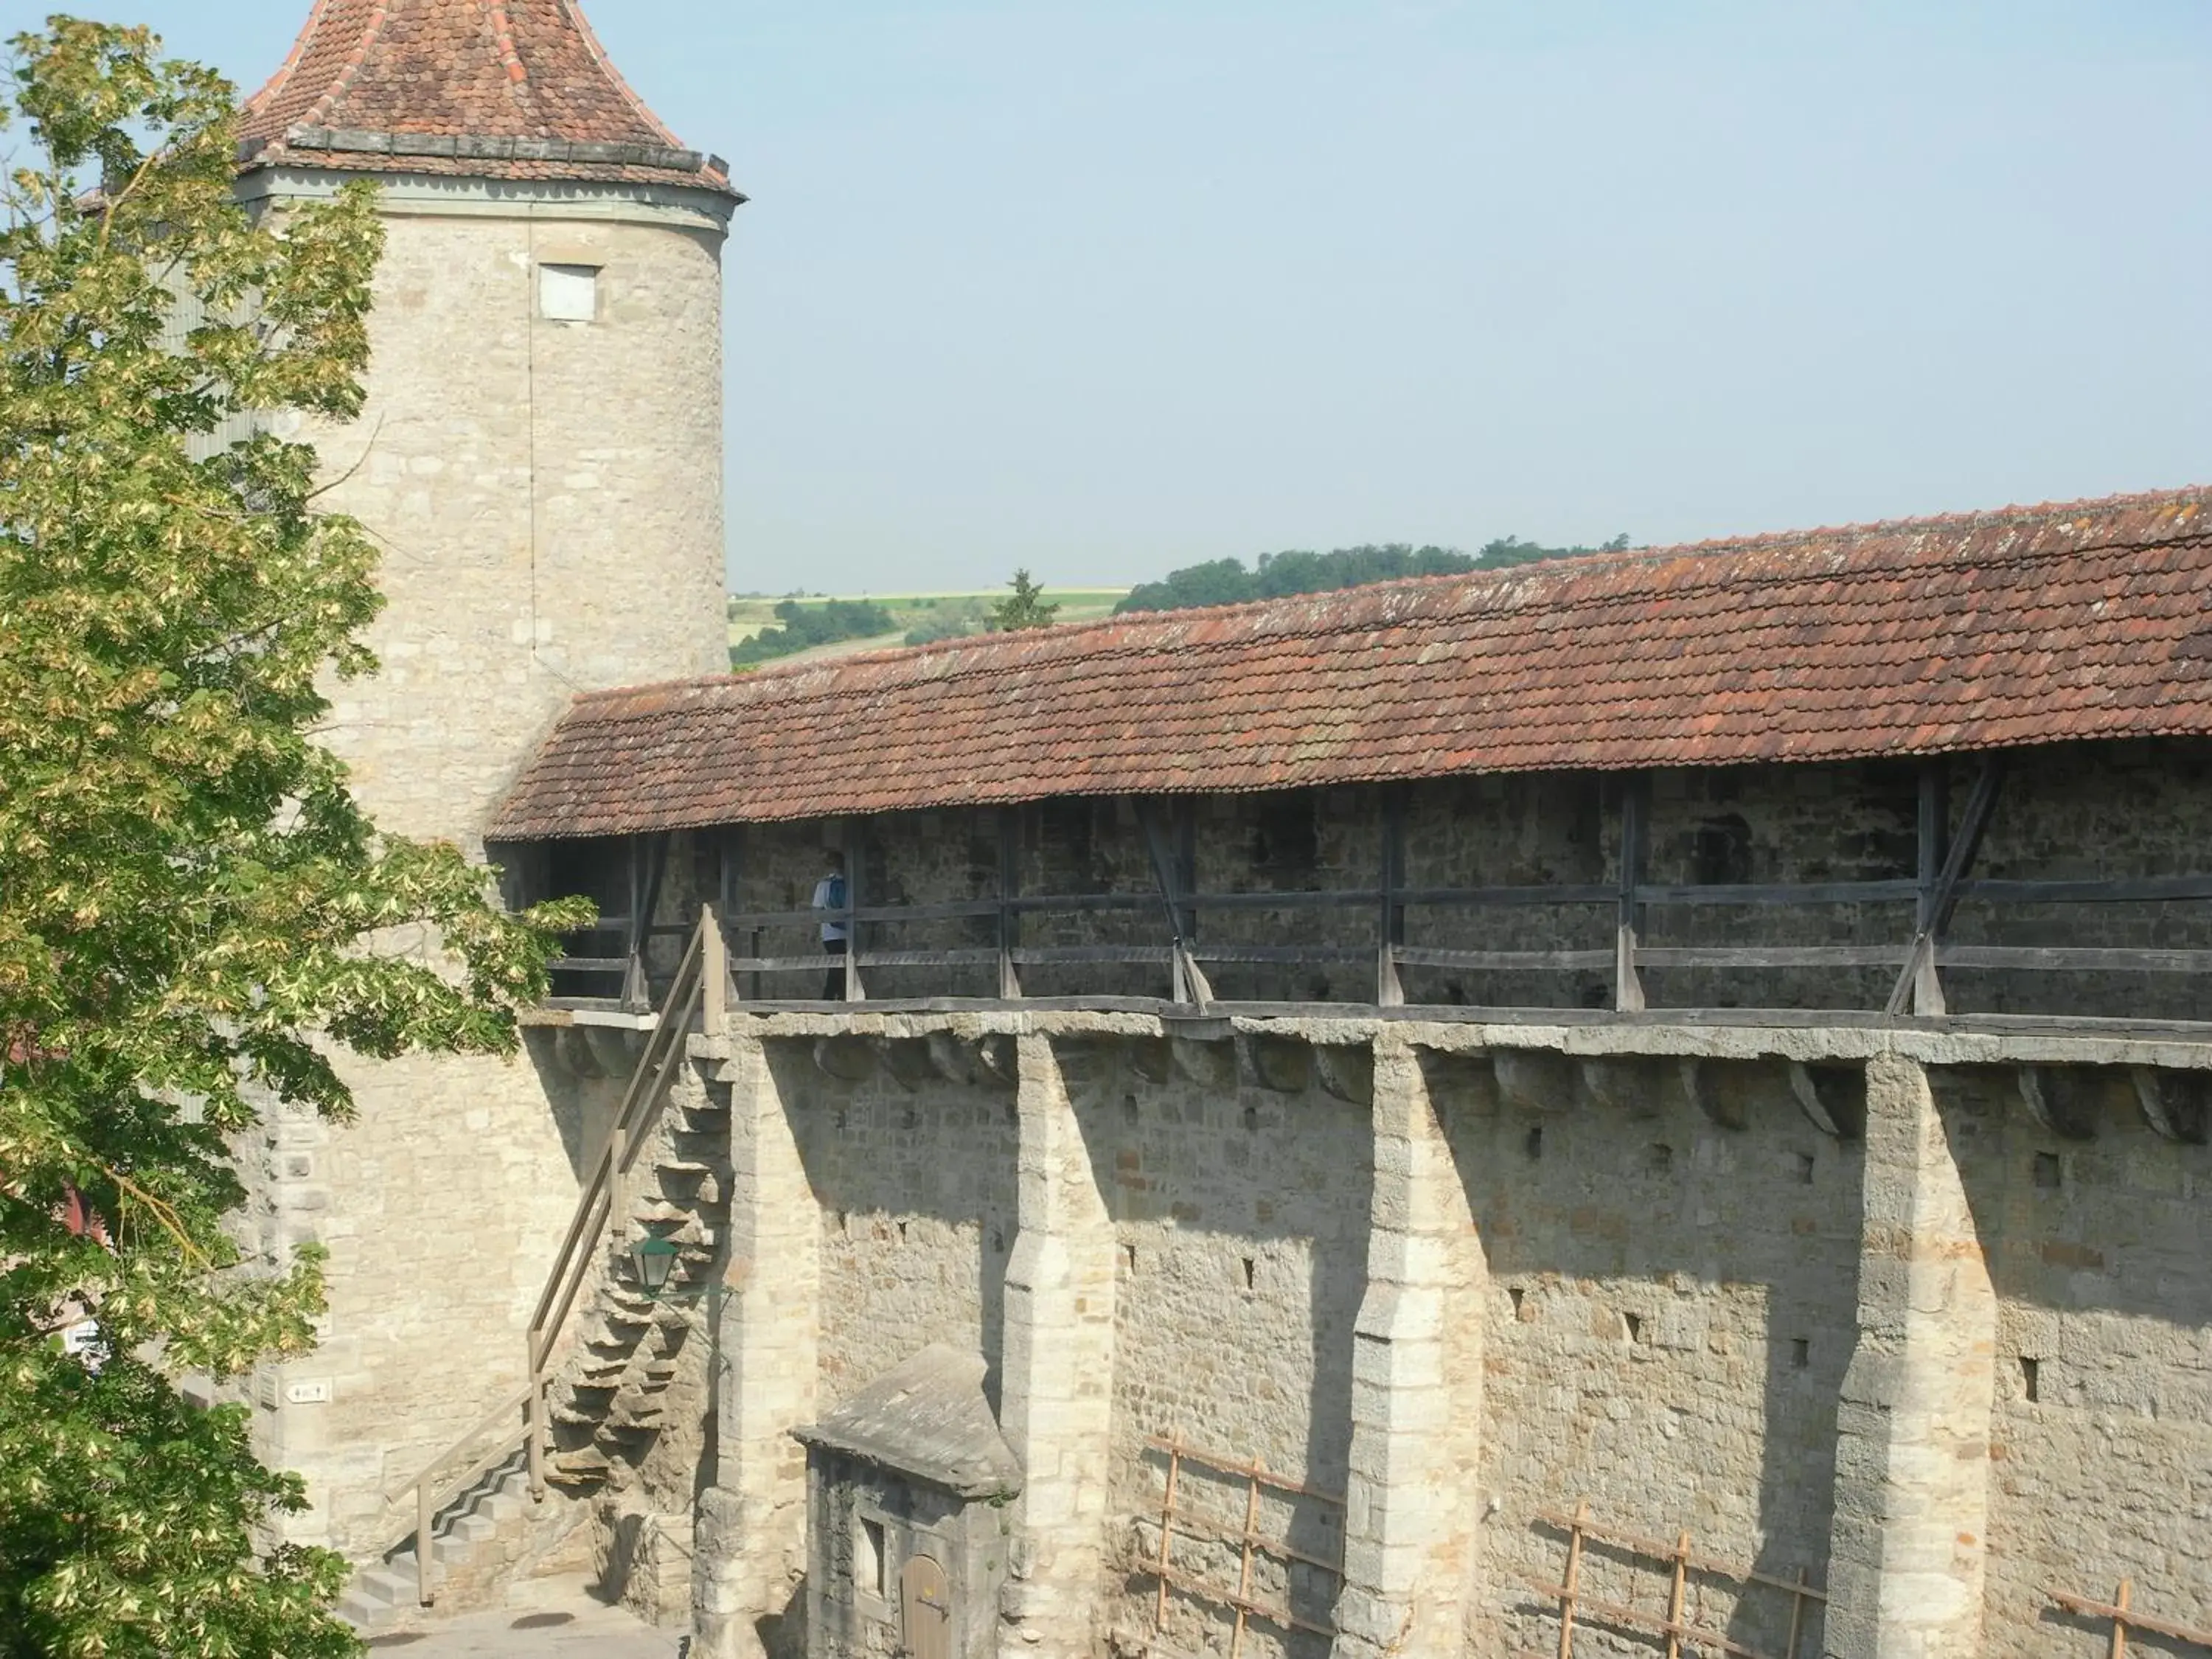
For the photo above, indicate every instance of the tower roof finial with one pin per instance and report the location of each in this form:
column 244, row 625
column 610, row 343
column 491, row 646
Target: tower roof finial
column 485, row 88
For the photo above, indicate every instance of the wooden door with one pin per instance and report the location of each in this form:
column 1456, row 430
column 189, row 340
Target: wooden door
column 924, row 1609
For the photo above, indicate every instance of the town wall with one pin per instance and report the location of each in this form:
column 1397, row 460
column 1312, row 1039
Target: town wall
column 1662, row 1307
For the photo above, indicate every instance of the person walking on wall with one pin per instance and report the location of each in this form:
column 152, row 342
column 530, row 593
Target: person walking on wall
column 830, row 898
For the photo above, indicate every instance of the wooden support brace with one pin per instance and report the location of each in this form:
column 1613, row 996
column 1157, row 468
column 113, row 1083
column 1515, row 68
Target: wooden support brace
column 1938, row 900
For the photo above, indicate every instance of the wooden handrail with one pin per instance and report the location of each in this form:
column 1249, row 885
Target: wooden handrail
column 700, row 989
column 694, row 992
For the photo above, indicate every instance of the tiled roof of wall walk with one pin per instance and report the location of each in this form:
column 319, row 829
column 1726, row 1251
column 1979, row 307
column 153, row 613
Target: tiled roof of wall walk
column 510, row 89
column 2090, row 620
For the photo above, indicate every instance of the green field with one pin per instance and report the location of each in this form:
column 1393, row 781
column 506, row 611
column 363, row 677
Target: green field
column 960, row 611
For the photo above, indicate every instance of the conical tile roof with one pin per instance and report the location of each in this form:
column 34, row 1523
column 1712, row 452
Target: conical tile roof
column 483, row 88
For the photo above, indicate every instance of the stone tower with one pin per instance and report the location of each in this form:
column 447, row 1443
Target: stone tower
column 541, row 459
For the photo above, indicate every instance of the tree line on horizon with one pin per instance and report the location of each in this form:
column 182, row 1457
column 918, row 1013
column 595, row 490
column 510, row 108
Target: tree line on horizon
column 1279, row 575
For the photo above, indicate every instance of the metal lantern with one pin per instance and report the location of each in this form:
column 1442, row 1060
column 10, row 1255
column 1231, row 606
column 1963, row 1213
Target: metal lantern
column 650, row 1259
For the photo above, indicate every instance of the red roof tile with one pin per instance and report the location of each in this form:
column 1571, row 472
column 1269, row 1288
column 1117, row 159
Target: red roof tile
column 491, row 88
column 1998, row 629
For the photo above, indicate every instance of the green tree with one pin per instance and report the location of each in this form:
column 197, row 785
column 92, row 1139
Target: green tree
column 1023, row 608
column 194, row 910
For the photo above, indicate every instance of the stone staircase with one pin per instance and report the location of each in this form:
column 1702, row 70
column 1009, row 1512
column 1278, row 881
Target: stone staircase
column 607, row 1401
column 482, row 1528
column 664, row 1172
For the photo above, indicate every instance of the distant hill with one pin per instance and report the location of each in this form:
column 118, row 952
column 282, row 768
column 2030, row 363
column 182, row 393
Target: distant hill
column 811, row 626
column 1276, row 575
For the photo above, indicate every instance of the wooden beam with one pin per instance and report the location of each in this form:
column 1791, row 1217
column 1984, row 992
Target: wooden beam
column 1391, row 923
column 1188, row 983
column 1627, row 985
column 850, row 838
column 1009, row 887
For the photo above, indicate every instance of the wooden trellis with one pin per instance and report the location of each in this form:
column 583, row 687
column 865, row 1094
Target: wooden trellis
column 1672, row 1630
column 1248, row 1542
column 2126, row 1619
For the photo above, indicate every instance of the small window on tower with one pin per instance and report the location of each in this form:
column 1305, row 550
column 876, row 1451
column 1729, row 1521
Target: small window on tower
column 569, row 293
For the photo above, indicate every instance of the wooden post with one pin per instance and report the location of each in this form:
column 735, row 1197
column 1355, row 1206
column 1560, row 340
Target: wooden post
column 1796, row 1616
column 854, row 991
column 1674, row 1595
column 534, row 1426
column 732, row 859
column 1934, row 824
column 714, row 974
column 2120, row 1624
column 1009, row 887
column 425, row 1591
column 1573, row 1580
column 1185, row 860
column 1244, row 1572
column 1627, row 986
column 1167, row 1523
column 1390, row 929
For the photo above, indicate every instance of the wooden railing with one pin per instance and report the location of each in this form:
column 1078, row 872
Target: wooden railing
column 1163, row 916
column 451, row 1473
column 1242, row 1601
column 1673, row 1628
column 697, row 993
column 2125, row 1618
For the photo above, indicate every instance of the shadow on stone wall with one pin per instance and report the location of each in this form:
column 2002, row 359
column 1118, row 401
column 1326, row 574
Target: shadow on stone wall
column 915, row 1177
column 2096, row 1235
column 1239, row 1197
column 1673, row 1290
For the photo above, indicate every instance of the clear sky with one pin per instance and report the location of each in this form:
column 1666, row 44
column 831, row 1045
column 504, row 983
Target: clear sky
column 1107, row 286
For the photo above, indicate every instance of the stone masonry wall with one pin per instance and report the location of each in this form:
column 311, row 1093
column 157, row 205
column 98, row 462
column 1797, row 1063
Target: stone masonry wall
column 547, row 496
column 1673, row 1314
column 2097, row 1237
column 1669, row 1316
column 1240, row 1213
column 914, row 1180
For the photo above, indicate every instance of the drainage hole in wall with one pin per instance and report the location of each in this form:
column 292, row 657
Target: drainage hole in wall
column 2030, row 1381
column 1252, row 1117
column 1249, row 1274
column 2046, row 1168
column 1535, row 1144
column 1129, row 1257
column 1801, row 1352
column 1804, row 1169
column 1518, row 1296
column 1129, row 1112
column 1659, row 1158
column 902, row 1227
column 1634, row 1322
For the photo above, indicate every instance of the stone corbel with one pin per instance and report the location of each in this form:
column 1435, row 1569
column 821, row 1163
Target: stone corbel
column 1719, row 1105
column 907, row 1060
column 2173, row 1102
column 849, row 1059
column 1615, row 1084
column 1346, row 1070
column 1534, row 1079
column 1833, row 1097
column 2061, row 1099
column 1210, row 1064
column 1282, row 1065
